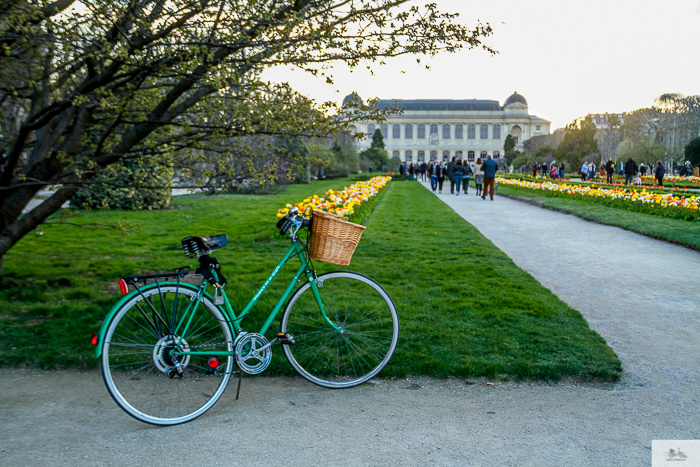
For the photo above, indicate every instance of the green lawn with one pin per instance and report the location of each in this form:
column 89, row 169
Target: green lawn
column 466, row 309
column 681, row 232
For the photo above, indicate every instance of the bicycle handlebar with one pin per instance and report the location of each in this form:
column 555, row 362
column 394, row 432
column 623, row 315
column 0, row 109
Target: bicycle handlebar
column 292, row 218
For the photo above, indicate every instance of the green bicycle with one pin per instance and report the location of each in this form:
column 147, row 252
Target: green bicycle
column 168, row 348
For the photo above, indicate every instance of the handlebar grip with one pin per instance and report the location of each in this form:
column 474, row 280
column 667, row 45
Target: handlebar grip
column 281, row 222
column 285, row 227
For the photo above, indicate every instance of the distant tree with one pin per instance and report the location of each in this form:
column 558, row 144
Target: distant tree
column 579, row 143
column 692, row 151
column 610, row 138
column 394, row 163
column 509, row 144
column 642, row 151
column 377, row 140
column 375, row 157
column 553, row 140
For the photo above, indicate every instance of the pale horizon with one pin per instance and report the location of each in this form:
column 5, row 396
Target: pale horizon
column 567, row 60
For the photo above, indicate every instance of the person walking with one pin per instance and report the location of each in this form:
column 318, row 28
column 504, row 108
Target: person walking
column 441, row 170
column 659, row 173
column 630, row 171
column 411, row 172
column 490, row 167
column 433, row 171
column 467, row 176
column 423, row 171
column 402, row 168
column 609, row 170
column 562, row 168
column 534, row 167
column 584, row 171
column 458, row 174
column 478, row 176
column 450, row 167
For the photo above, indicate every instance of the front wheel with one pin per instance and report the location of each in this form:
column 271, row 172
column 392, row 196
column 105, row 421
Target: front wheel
column 140, row 363
column 368, row 330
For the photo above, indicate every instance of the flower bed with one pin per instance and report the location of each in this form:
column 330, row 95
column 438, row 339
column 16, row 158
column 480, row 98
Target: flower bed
column 665, row 204
column 351, row 203
column 617, row 182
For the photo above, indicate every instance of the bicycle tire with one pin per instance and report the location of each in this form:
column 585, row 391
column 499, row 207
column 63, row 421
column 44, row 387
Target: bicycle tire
column 364, row 312
column 138, row 370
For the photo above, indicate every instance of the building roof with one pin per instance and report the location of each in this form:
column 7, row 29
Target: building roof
column 535, row 118
column 515, row 97
column 440, row 104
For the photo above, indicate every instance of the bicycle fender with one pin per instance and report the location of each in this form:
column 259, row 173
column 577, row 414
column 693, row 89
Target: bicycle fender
column 129, row 296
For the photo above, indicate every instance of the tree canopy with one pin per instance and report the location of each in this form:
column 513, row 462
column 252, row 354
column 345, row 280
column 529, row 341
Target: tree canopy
column 579, row 142
column 87, row 84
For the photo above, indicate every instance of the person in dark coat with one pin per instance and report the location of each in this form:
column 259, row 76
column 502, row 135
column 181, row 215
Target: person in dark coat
column 457, row 174
column 630, row 171
column 450, row 166
column 534, row 169
column 466, row 177
column 562, row 170
column 442, row 171
column 490, row 167
column 659, row 173
column 609, row 170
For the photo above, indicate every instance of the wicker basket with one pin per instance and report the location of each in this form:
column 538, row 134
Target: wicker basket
column 332, row 239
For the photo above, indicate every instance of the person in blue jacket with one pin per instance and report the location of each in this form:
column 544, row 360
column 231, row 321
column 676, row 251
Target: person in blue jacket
column 490, row 167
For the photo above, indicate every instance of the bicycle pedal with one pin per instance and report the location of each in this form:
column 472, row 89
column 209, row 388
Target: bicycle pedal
column 285, row 339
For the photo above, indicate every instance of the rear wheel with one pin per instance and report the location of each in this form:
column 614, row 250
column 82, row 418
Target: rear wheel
column 141, row 367
column 368, row 323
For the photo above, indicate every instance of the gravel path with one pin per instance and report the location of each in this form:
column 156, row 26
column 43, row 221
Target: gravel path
column 640, row 294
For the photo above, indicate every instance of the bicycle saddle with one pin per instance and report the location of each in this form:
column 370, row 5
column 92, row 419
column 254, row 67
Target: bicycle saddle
column 198, row 246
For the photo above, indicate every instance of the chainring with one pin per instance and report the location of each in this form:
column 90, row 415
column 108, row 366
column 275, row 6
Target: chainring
column 249, row 356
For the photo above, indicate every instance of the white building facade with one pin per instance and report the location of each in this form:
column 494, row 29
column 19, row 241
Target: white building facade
column 442, row 129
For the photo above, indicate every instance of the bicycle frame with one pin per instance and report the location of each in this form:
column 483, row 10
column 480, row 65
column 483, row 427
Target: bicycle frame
column 231, row 319
column 234, row 321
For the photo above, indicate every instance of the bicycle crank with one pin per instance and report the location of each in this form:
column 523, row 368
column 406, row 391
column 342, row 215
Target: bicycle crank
column 253, row 353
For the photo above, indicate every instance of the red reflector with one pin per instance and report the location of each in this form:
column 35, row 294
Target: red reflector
column 213, row 362
column 93, row 340
column 123, row 287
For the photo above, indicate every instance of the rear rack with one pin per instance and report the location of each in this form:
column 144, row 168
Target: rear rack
column 179, row 273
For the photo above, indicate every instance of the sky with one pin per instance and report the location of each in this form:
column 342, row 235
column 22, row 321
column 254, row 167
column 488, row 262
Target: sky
column 568, row 59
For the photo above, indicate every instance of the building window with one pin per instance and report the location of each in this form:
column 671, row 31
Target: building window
column 470, row 156
column 433, row 155
column 515, row 138
column 395, row 154
column 396, row 131
column 370, row 129
column 421, row 156
column 409, row 157
column 483, row 155
column 421, row 131
column 458, row 154
column 471, row 131
column 459, row 131
column 385, row 130
column 496, row 154
column 484, row 132
column 408, row 131
column 433, row 129
column 537, row 127
column 497, row 131
column 445, row 156
column 446, row 131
